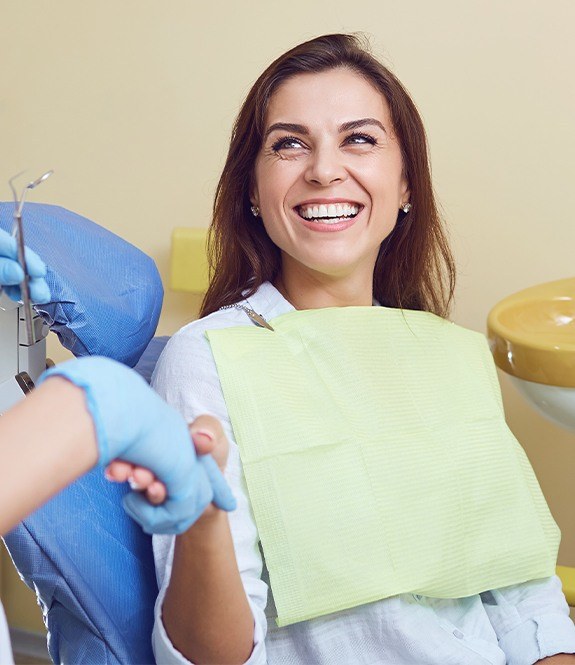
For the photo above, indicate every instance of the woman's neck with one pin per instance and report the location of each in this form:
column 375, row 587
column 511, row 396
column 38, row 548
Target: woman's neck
column 305, row 291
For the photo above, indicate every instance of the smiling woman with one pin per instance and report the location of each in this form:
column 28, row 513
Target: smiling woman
column 385, row 513
column 346, row 155
column 349, row 113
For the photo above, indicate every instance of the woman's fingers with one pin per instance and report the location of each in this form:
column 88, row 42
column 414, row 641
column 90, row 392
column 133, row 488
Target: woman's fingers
column 140, row 479
column 156, row 492
column 208, row 436
column 203, row 439
column 119, row 471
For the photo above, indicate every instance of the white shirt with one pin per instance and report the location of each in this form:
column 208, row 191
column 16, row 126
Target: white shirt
column 517, row 625
column 5, row 648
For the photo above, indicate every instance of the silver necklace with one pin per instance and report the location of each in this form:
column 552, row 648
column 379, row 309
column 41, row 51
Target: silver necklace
column 256, row 318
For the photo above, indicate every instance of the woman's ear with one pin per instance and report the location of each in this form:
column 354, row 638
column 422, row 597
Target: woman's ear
column 405, row 192
column 254, row 195
column 254, row 200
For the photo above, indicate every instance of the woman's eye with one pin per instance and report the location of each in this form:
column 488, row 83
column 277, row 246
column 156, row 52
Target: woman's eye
column 289, row 143
column 361, row 139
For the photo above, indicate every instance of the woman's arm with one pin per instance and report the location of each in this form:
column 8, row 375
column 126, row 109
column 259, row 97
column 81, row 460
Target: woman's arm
column 205, row 599
column 249, row 563
column 206, row 612
column 212, row 599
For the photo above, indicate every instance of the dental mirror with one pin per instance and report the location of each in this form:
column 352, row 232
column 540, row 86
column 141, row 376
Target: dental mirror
column 17, row 231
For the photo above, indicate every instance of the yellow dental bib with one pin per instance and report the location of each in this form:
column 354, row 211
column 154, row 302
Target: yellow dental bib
column 378, row 461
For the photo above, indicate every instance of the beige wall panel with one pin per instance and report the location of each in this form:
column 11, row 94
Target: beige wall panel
column 22, row 610
column 132, row 103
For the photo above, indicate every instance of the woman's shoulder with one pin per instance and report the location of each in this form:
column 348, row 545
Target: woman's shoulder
column 196, row 330
column 188, row 350
column 266, row 301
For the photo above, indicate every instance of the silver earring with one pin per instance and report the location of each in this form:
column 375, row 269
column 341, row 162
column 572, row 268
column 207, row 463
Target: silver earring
column 255, row 211
column 406, row 207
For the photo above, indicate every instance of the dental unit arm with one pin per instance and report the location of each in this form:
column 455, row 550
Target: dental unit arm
column 20, row 364
column 106, row 297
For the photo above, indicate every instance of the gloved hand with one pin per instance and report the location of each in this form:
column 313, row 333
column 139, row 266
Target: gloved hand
column 134, row 424
column 11, row 274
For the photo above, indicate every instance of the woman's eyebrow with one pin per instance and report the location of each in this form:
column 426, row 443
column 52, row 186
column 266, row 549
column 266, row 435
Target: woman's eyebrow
column 355, row 124
column 286, row 127
column 302, row 129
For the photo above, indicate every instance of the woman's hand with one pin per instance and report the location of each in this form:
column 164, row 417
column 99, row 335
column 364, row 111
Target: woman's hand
column 208, row 437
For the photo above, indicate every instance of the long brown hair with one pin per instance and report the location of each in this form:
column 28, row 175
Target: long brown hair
column 414, row 268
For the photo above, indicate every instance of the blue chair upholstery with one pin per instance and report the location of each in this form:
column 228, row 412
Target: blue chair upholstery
column 92, row 568
column 107, row 294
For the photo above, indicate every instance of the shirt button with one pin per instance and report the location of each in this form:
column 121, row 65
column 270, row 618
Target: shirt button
column 458, row 634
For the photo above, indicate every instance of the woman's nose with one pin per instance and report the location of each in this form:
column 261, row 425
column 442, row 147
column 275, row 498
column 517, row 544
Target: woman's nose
column 325, row 166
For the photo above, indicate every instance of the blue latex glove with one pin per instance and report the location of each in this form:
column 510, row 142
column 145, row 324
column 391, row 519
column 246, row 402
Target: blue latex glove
column 11, row 274
column 134, row 424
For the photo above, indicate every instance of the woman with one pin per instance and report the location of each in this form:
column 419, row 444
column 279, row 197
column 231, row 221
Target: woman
column 325, row 202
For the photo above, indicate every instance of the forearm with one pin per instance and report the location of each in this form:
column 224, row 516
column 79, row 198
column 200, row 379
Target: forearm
column 206, row 612
column 559, row 659
column 46, row 441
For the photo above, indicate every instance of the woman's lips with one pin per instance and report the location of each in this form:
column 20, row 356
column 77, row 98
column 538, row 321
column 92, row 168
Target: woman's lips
column 331, row 212
column 329, row 224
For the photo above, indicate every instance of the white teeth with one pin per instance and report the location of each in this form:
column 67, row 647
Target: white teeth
column 332, row 211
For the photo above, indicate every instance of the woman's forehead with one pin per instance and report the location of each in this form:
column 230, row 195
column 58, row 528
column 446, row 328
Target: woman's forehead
column 335, row 96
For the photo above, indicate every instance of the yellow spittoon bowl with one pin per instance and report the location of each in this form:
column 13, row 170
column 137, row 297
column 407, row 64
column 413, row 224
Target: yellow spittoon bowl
column 532, row 338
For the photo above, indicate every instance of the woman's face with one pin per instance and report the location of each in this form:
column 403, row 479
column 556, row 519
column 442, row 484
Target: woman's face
column 329, row 178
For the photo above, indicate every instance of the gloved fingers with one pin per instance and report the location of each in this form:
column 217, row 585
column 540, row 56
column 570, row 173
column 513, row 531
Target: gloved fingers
column 10, row 272
column 34, row 264
column 9, row 250
column 223, row 497
column 7, row 245
column 13, row 292
column 39, row 291
column 174, row 516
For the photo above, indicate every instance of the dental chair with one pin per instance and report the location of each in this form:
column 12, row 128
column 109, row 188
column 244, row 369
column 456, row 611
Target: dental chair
column 90, row 565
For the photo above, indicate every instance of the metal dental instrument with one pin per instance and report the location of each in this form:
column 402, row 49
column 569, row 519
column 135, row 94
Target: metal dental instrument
column 17, row 231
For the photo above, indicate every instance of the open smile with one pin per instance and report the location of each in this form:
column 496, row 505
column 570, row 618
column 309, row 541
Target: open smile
column 329, row 213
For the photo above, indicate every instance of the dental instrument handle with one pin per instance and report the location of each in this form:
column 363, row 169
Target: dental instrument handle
column 24, row 285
